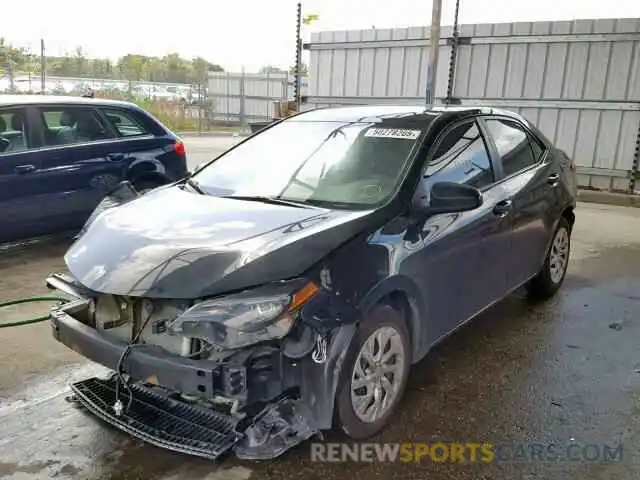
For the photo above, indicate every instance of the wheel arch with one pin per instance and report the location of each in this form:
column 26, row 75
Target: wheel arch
column 147, row 169
column 401, row 293
column 320, row 383
column 152, row 176
column 569, row 215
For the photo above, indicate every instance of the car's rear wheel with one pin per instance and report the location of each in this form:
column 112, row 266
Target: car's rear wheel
column 375, row 373
column 551, row 276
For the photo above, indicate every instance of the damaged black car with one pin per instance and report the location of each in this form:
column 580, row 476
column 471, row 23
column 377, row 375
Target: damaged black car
column 286, row 287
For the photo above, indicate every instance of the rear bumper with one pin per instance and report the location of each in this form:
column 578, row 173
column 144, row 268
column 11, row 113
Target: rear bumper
column 145, row 363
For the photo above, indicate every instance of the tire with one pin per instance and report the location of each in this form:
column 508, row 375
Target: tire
column 145, row 186
column 547, row 282
column 386, row 321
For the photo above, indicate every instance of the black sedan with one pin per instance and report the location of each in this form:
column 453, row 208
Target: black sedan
column 293, row 280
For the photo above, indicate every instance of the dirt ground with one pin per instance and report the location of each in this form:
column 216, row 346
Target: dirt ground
column 566, row 369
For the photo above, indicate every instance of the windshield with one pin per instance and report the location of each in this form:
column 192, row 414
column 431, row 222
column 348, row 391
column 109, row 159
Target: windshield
column 334, row 164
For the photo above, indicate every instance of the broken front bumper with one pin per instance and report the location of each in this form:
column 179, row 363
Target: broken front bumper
column 146, row 363
column 156, row 413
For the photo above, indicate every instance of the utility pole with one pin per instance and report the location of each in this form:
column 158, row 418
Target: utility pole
column 434, row 43
column 298, row 65
column 454, row 55
column 243, row 113
column 199, row 108
column 43, row 66
column 12, row 85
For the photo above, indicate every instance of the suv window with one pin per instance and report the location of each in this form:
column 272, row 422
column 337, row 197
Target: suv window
column 13, row 132
column 71, row 125
column 513, row 144
column 125, row 124
column 461, row 156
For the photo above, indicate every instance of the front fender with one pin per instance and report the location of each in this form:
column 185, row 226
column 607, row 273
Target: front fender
column 400, row 284
column 319, row 382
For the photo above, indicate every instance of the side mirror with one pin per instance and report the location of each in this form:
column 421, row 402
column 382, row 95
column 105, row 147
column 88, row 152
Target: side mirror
column 451, row 197
column 4, row 144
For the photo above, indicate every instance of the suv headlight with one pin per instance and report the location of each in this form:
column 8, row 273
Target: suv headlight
column 238, row 320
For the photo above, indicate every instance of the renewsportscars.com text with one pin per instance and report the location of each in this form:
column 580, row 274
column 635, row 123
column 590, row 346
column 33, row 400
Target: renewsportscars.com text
column 466, row 452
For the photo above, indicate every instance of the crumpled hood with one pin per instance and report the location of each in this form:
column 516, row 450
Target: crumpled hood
column 172, row 243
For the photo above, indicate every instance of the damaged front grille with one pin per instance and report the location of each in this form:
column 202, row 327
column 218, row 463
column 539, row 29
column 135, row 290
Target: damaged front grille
column 160, row 420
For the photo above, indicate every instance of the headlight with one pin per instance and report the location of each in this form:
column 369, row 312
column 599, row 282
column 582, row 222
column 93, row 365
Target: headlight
column 243, row 319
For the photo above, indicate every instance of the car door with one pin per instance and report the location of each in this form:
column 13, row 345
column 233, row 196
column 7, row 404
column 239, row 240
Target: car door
column 20, row 189
column 138, row 147
column 78, row 167
column 530, row 192
column 460, row 260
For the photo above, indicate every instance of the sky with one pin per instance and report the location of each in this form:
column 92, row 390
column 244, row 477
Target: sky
column 251, row 33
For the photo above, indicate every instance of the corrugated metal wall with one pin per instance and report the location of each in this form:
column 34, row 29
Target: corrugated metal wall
column 249, row 95
column 579, row 81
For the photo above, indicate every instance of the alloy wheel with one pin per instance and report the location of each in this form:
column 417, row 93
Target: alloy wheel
column 377, row 374
column 559, row 255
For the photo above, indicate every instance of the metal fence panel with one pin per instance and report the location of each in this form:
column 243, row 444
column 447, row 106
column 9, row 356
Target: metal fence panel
column 249, row 97
column 579, row 81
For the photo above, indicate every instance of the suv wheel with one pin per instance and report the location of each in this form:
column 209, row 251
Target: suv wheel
column 551, row 276
column 375, row 373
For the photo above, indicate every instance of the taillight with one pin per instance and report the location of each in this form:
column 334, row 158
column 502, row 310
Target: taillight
column 178, row 147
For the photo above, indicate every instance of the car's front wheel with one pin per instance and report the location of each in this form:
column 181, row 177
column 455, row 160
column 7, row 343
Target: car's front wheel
column 375, row 373
column 551, row 276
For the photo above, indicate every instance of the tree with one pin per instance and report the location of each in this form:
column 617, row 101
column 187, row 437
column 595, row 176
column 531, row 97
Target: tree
column 101, row 68
column 80, row 62
column 199, row 69
column 154, row 70
column 132, row 66
column 60, row 66
column 12, row 57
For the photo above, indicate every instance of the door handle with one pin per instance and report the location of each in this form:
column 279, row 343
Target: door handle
column 553, row 179
column 115, row 157
column 503, row 208
column 22, row 169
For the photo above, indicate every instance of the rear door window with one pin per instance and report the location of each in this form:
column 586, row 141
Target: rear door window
column 13, row 131
column 72, row 125
column 125, row 123
column 516, row 149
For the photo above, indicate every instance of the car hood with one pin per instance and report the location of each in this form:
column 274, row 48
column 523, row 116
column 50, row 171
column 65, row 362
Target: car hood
column 172, row 243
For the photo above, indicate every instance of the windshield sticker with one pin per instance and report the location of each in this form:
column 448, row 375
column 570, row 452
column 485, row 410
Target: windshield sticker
column 392, row 133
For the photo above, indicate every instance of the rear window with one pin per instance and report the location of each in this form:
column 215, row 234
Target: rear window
column 125, row 124
column 67, row 125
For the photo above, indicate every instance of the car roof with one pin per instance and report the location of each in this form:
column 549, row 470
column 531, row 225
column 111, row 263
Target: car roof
column 10, row 100
column 407, row 112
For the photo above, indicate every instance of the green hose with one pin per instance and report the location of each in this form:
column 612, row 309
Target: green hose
column 30, row 300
